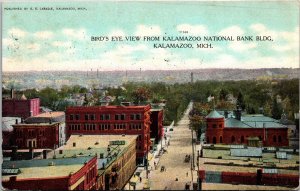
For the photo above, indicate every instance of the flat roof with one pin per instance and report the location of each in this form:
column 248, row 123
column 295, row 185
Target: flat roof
column 43, row 169
column 28, row 125
column 51, row 114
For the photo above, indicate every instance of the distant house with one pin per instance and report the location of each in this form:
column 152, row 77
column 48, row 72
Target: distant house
column 231, row 99
column 106, row 100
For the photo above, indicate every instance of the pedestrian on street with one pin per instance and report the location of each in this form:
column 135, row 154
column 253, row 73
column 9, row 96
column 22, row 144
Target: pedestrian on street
column 140, row 179
column 187, row 174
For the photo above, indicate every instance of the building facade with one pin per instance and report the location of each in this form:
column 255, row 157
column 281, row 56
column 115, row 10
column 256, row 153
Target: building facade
column 38, row 135
column 242, row 129
column 51, row 174
column 51, row 117
column 112, row 120
column 20, row 107
column 156, row 127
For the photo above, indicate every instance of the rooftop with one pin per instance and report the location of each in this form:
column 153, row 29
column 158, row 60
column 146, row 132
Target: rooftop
column 214, row 115
column 7, row 123
column 56, row 116
column 45, row 168
column 90, row 145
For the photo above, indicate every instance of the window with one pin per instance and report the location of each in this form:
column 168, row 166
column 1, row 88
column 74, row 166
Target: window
column 242, row 139
column 92, row 117
column 138, row 116
column 86, row 117
column 122, row 116
column 132, row 117
column 107, row 117
column 214, row 125
column 274, row 139
column 102, row 117
column 279, row 139
column 220, row 125
column 71, row 117
column 214, row 140
column 221, row 139
column 232, row 139
column 77, row 116
column 117, row 117
column 207, row 140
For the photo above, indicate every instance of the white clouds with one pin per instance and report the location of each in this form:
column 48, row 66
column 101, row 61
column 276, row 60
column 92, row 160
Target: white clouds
column 7, row 42
column 79, row 34
column 143, row 30
column 43, row 34
column 34, row 47
column 232, row 31
column 240, row 46
column 66, row 44
column 17, row 33
column 192, row 29
column 117, row 32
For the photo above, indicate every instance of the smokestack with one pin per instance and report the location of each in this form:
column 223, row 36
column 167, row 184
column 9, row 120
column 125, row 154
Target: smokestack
column 16, row 121
column 12, row 93
column 44, row 154
column 226, row 113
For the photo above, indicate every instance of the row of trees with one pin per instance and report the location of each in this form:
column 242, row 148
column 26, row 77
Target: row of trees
column 252, row 96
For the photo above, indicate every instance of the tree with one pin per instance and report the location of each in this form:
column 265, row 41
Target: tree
column 276, row 111
column 222, row 95
column 287, row 106
column 240, row 101
column 140, row 95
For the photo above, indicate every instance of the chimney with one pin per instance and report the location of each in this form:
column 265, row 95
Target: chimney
column 13, row 179
column 14, row 152
column 16, row 121
column 226, row 114
column 22, row 120
column 31, row 153
column 238, row 114
column 12, row 92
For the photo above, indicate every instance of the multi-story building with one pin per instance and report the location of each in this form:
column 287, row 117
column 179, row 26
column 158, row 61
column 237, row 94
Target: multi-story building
column 51, row 174
column 21, row 107
column 116, row 155
column 156, row 127
column 51, row 117
column 247, row 129
column 112, row 120
column 38, row 135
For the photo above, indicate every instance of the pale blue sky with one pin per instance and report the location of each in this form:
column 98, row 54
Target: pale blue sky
column 60, row 40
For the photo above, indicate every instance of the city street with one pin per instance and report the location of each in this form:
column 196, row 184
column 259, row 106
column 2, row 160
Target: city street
column 173, row 160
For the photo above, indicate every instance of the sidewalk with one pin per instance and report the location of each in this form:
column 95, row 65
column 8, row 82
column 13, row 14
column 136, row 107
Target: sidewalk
column 144, row 182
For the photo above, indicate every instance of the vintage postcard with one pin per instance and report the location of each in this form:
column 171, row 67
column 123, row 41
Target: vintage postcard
column 150, row 95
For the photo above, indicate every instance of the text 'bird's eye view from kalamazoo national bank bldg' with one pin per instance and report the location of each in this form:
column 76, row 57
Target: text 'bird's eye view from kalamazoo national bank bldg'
column 115, row 95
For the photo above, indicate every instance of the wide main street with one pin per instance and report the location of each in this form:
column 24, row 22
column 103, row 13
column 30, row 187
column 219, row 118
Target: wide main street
column 173, row 160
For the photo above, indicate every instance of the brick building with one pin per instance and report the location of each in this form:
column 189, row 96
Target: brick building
column 39, row 135
column 156, row 127
column 240, row 129
column 46, row 130
column 51, row 174
column 116, row 155
column 22, row 107
column 112, row 120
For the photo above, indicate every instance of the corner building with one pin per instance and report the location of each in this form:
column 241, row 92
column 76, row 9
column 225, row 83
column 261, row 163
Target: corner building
column 112, row 120
column 263, row 130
